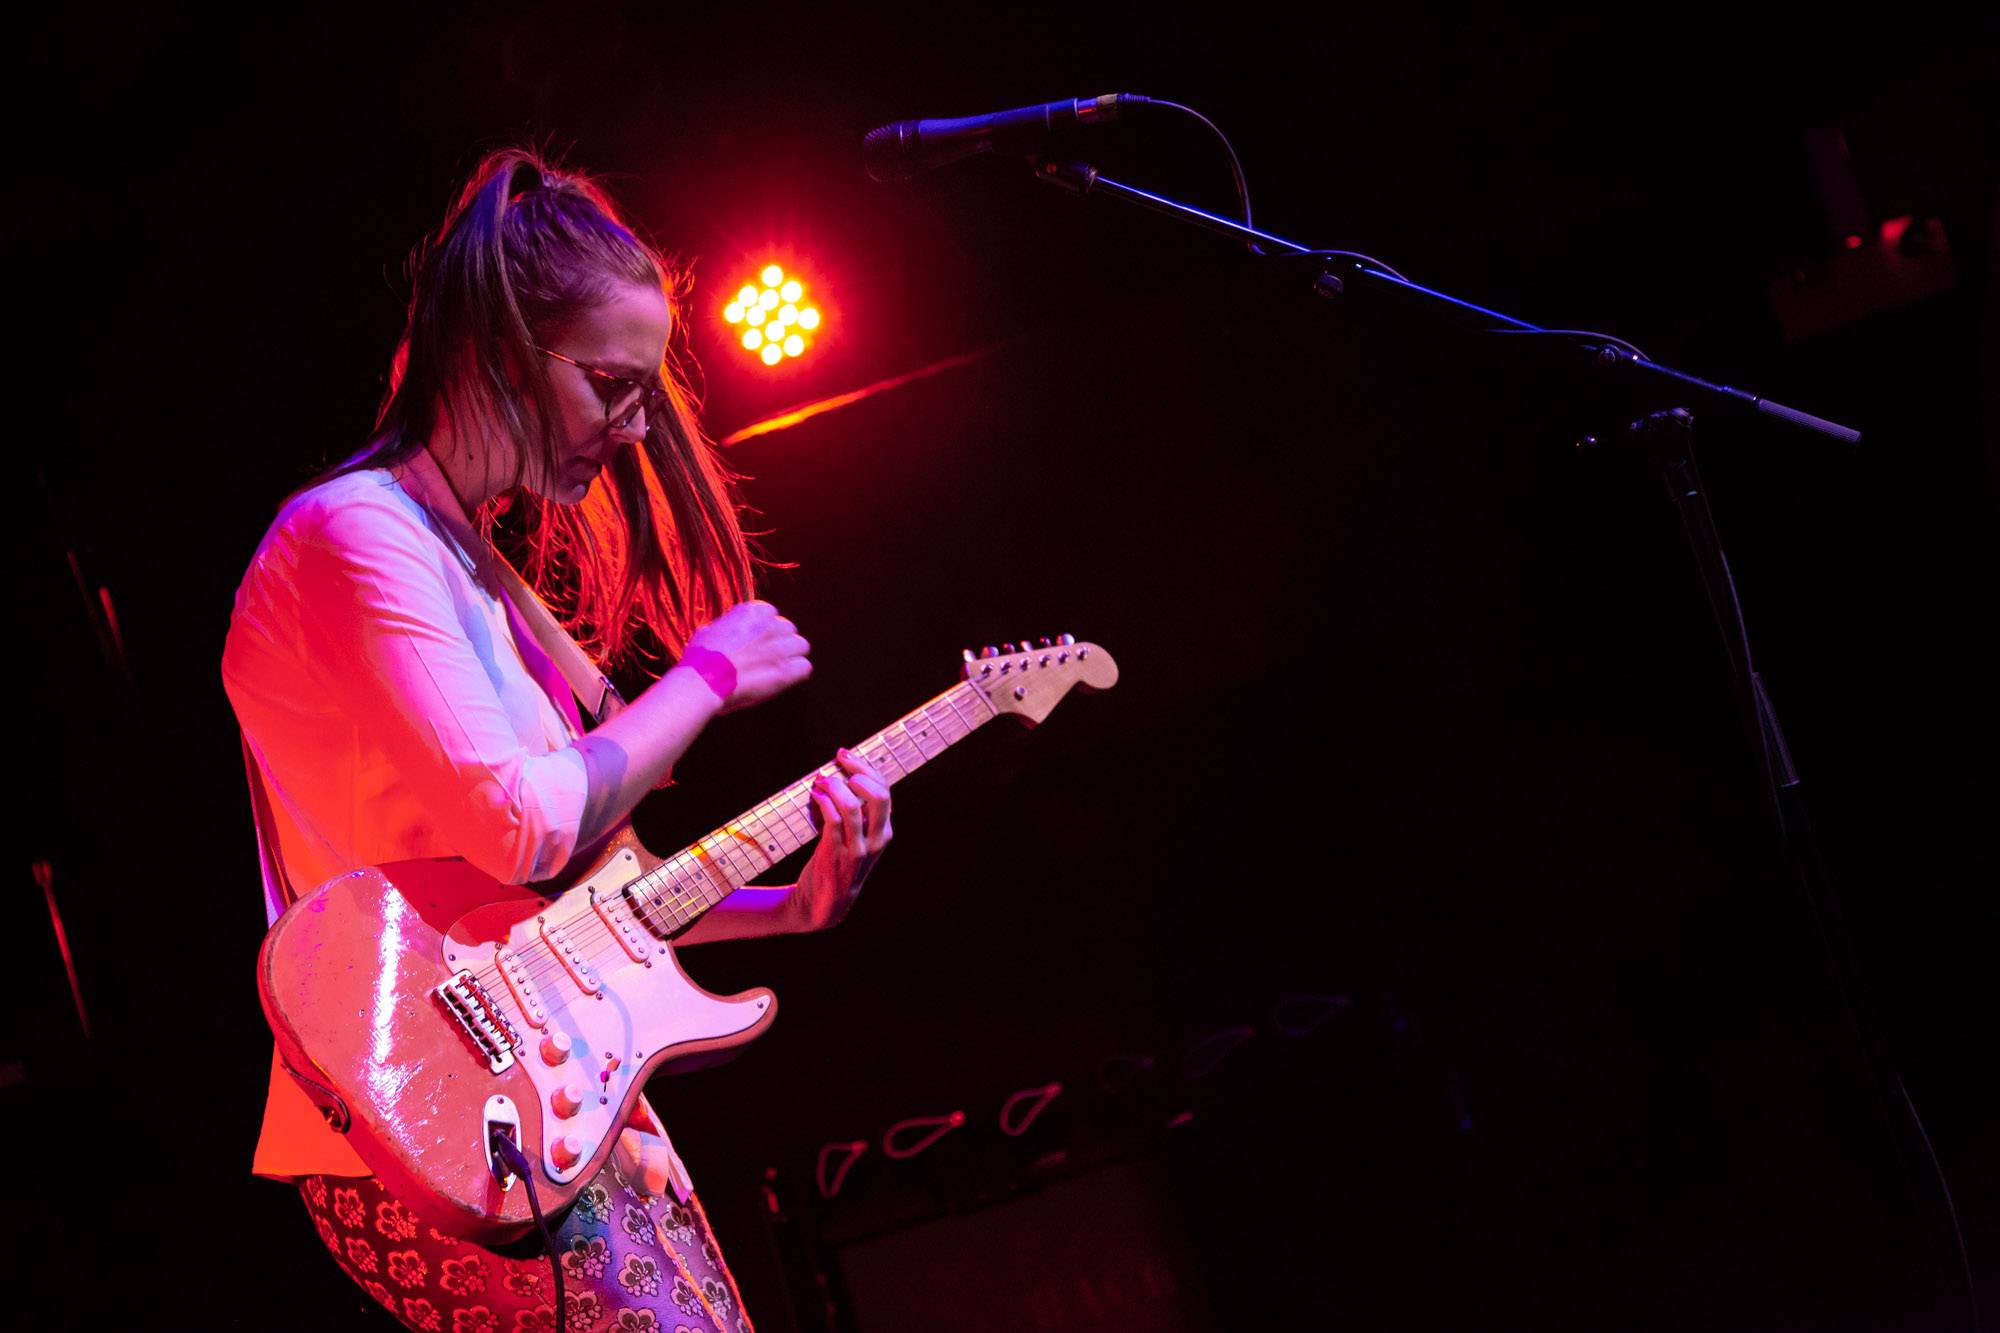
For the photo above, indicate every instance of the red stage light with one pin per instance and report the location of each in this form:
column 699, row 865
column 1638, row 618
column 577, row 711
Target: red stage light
column 777, row 324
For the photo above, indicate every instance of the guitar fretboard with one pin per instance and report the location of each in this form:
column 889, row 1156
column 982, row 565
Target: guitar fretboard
column 698, row 877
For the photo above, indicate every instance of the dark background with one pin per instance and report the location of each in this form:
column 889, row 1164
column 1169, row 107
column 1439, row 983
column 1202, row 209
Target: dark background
column 1421, row 707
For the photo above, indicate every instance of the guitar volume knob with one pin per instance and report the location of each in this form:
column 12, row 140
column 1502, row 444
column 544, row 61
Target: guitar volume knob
column 555, row 1048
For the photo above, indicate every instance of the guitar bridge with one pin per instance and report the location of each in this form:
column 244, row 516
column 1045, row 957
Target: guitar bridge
column 491, row 1034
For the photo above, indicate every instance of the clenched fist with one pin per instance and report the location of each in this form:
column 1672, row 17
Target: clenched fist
column 747, row 654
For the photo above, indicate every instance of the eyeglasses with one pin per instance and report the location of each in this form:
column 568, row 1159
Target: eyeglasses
column 649, row 396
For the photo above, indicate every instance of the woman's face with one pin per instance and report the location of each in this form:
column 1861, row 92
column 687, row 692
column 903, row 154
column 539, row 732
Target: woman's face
column 625, row 336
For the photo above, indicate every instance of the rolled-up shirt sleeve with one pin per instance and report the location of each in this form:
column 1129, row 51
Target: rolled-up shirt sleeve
column 391, row 636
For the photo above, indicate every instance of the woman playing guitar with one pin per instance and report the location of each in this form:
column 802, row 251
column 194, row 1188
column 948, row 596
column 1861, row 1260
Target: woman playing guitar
column 395, row 705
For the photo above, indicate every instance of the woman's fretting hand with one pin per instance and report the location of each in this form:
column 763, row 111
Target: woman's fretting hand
column 747, row 654
column 852, row 809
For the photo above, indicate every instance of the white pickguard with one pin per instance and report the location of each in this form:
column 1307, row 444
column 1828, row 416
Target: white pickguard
column 639, row 1010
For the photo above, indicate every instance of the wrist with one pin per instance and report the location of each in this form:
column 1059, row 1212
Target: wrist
column 693, row 690
column 712, row 669
column 793, row 913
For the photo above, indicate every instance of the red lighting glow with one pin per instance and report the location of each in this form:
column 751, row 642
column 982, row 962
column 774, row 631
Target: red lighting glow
column 807, row 411
column 777, row 322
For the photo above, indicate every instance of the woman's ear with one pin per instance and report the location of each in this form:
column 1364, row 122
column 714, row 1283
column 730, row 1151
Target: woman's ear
column 515, row 368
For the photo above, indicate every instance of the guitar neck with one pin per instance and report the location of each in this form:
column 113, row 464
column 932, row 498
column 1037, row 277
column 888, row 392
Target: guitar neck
column 693, row 880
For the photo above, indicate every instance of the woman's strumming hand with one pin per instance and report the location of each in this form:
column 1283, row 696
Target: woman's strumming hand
column 747, row 654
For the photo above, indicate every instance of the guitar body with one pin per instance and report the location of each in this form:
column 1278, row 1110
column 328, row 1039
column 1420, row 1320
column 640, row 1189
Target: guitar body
column 350, row 979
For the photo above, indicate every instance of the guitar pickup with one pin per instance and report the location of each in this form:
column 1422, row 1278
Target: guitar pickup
column 526, row 998
column 572, row 959
column 613, row 909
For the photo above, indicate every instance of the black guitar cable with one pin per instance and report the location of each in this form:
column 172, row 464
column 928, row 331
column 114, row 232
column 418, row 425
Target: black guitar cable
column 517, row 1162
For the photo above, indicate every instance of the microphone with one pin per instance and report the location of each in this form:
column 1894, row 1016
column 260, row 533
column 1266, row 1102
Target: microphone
column 899, row 151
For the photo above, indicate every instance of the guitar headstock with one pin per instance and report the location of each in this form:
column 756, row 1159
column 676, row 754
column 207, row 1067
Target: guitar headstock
column 1028, row 680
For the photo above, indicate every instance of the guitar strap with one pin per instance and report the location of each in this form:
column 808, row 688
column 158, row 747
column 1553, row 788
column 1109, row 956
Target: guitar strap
column 581, row 674
column 278, row 895
column 278, row 891
column 431, row 488
column 590, row 685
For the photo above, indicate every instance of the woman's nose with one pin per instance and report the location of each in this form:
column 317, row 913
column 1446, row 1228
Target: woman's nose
column 632, row 429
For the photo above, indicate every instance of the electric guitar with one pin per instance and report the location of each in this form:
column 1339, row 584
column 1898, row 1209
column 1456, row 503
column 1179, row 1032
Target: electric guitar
column 425, row 1007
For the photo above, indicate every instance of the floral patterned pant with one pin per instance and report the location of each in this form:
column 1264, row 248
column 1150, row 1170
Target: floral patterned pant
column 631, row 1264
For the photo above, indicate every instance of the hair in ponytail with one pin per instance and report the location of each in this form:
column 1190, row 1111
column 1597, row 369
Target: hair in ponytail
column 656, row 544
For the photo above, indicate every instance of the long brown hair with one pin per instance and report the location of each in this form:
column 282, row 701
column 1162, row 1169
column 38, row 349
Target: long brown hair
column 655, row 546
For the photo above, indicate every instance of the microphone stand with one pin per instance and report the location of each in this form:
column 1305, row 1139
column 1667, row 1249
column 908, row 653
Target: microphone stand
column 1666, row 438
column 1339, row 270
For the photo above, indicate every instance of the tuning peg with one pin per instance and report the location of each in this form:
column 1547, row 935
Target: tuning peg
column 1066, row 639
column 1046, row 643
column 989, row 651
column 968, row 654
column 1006, row 650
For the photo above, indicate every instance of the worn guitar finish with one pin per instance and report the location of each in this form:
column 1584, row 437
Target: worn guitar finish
column 425, row 1006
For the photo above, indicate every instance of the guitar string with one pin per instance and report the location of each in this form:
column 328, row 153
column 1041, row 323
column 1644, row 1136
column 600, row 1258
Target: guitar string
column 686, row 885
column 679, row 888
column 682, row 887
column 679, row 873
column 689, row 886
column 679, row 884
column 787, row 806
column 693, row 889
column 697, row 887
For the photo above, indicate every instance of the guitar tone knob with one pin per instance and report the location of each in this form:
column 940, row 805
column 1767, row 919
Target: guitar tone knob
column 555, row 1048
column 566, row 1152
column 567, row 1100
